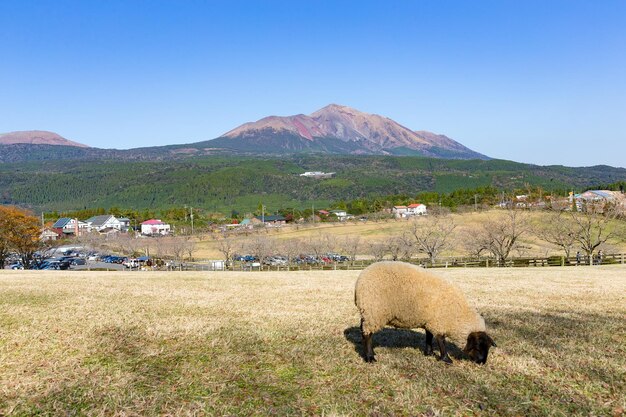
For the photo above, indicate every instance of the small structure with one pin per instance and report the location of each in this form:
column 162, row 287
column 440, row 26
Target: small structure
column 48, row 235
column 154, row 227
column 318, row 174
column 273, row 220
column 67, row 226
column 125, row 222
column 342, row 215
column 400, row 212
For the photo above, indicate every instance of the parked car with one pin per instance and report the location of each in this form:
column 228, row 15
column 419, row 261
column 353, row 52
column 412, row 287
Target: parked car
column 131, row 263
column 78, row 261
column 17, row 265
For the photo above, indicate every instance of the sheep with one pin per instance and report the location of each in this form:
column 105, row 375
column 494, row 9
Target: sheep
column 406, row 296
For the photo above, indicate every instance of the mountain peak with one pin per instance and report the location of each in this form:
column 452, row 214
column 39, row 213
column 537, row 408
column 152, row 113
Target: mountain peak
column 37, row 137
column 336, row 128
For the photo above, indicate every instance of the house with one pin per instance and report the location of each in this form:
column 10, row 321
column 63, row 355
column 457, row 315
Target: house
column 66, row 226
column 48, row 235
column 416, row 209
column 154, row 227
column 125, row 221
column 342, row 214
column 597, row 199
column 403, row 212
column 273, row 220
column 100, row 223
column 400, row 212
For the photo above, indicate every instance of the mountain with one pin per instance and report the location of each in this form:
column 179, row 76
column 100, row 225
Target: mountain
column 339, row 129
column 37, row 137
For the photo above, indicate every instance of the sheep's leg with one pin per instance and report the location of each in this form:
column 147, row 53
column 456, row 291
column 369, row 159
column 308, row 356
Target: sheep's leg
column 368, row 347
column 441, row 341
column 428, row 350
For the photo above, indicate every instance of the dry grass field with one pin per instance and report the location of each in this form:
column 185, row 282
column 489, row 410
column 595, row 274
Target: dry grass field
column 372, row 231
column 177, row 343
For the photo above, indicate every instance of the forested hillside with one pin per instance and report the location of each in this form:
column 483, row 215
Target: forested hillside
column 241, row 183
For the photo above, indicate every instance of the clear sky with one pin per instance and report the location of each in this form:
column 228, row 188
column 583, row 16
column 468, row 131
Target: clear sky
column 532, row 81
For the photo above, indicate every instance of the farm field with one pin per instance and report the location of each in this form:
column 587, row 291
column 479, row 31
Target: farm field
column 277, row 343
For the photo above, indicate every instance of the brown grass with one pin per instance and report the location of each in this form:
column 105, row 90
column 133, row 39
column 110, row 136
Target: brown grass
column 288, row 344
column 371, row 231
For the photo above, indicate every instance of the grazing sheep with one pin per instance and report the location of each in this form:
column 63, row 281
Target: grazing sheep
column 406, row 296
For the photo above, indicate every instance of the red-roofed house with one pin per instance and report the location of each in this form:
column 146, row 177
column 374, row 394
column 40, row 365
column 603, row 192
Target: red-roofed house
column 154, row 227
column 416, row 209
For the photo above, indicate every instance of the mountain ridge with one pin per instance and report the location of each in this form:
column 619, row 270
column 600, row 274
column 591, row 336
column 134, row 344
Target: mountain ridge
column 37, row 137
column 370, row 133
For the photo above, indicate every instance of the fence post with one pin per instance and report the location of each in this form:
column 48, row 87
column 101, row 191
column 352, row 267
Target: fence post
column 487, row 263
column 562, row 260
column 622, row 258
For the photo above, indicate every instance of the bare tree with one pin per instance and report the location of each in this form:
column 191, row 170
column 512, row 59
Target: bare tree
column 432, row 234
column 501, row 234
column 227, row 247
column 560, row 230
column 291, row 248
column 259, row 246
column 473, row 244
column 351, row 245
column 400, row 247
column 93, row 241
column 147, row 245
column 592, row 229
column 320, row 245
column 378, row 250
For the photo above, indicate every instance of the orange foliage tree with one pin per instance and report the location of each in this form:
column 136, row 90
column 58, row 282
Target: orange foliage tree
column 19, row 233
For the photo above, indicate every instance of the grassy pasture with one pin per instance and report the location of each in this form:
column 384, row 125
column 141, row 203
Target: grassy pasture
column 177, row 343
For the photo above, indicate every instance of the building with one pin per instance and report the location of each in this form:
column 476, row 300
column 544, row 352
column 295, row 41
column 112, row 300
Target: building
column 48, row 235
column 67, row 226
column 403, row 212
column 104, row 222
column 154, row 227
column 416, row 209
column 318, row 174
column 273, row 220
column 400, row 212
column 597, row 199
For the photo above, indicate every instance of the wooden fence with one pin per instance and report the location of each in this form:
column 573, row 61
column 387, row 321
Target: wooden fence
column 458, row 262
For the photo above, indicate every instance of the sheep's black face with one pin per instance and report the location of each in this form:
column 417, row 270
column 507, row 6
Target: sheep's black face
column 477, row 348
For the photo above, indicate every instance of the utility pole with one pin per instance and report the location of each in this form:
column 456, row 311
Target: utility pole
column 43, row 224
column 191, row 215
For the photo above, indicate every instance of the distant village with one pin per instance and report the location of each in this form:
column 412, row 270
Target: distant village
column 109, row 224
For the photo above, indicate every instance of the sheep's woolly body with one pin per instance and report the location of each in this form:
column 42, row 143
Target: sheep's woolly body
column 406, row 296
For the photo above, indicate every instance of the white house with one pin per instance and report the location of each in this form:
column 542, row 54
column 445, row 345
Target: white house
column 403, row 212
column 416, row 209
column 341, row 214
column 100, row 223
column 154, row 227
column 400, row 212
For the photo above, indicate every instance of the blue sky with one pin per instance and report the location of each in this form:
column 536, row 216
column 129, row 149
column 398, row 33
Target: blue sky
column 532, row 81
